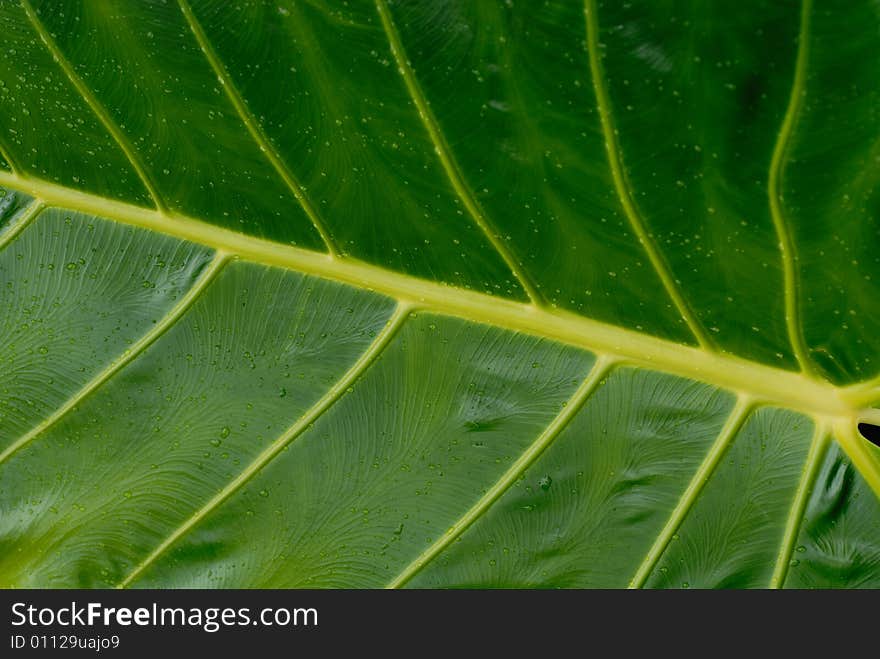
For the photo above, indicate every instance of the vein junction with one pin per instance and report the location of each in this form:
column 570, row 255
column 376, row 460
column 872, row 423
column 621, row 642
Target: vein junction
column 622, row 185
column 94, row 105
column 176, row 312
column 596, row 376
column 462, row 189
column 256, row 132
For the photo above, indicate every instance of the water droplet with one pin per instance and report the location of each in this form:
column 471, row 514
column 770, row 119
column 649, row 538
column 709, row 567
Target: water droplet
column 215, row 443
column 264, row 493
column 545, row 483
column 224, row 432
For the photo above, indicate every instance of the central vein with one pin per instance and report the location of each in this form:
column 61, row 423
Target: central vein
column 767, row 384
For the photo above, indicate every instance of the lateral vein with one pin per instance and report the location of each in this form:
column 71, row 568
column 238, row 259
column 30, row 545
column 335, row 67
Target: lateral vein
column 787, row 248
column 863, row 394
column 731, row 427
column 864, row 456
column 599, row 371
column 185, row 302
column 447, row 160
column 94, row 104
column 793, row 524
column 332, row 395
column 27, row 215
column 255, row 131
column 622, row 185
column 7, row 156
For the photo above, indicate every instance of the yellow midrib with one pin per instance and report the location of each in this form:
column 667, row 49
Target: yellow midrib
column 764, row 383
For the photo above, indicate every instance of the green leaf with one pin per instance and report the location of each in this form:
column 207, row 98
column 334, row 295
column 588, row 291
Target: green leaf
column 421, row 294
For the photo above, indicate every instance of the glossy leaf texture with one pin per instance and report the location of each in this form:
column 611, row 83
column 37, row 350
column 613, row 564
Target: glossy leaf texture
column 439, row 294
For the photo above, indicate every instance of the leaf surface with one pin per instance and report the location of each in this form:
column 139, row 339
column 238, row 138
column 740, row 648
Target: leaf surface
column 421, row 294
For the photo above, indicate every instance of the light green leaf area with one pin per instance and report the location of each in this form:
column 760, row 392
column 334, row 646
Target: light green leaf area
column 431, row 295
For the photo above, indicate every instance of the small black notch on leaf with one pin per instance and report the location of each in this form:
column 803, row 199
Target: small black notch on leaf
column 870, row 432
